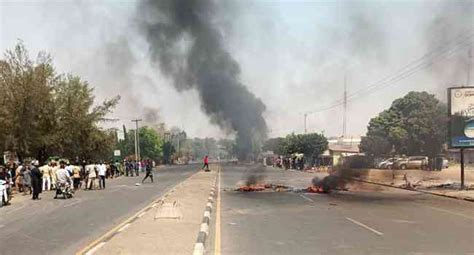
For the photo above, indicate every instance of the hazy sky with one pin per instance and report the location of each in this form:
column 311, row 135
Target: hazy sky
column 292, row 54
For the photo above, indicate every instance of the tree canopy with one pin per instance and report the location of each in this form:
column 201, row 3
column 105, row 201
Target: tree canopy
column 311, row 145
column 44, row 113
column 413, row 125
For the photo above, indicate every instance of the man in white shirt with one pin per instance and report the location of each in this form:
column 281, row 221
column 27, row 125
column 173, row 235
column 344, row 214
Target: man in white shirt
column 62, row 178
column 102, row 169
column 91, row 175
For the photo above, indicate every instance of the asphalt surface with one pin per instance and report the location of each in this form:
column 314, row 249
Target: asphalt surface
column 367, row 219
column 59, row 226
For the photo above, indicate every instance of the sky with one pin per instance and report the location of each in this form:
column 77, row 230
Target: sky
column 293, row 55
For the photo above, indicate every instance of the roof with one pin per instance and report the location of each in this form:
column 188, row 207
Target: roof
column 354, row 148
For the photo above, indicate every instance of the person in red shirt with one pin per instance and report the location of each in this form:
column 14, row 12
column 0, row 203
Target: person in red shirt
column 206, row 163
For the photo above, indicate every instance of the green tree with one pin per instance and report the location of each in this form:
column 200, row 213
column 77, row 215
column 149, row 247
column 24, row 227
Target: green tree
column 311, row 145
column 45, row 114
column 277, row 145
column 151, row 144
column 413, row 125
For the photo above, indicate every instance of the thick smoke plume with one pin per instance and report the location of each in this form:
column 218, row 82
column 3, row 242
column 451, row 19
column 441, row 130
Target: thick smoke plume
column 186, row 44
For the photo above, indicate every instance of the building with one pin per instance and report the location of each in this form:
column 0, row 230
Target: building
column 338, row 149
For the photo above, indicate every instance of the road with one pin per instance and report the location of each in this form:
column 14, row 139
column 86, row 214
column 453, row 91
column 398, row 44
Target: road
column 367, row 219
column 52, row 226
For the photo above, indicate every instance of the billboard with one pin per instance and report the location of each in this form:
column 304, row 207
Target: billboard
column 461, row 117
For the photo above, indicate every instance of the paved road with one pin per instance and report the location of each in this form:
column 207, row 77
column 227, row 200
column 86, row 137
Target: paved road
column 364, row 220
column 53, row 226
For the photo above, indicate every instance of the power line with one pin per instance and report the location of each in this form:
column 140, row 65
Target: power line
column 405, row 71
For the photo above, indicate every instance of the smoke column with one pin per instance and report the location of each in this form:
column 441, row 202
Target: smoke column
column 186, row 44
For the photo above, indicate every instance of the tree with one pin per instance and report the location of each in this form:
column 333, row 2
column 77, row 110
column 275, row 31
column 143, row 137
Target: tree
column 277, row 145
column 168, row 151
column 311, row 145
column 413, row 125
column 151, row 144
column 45, row 114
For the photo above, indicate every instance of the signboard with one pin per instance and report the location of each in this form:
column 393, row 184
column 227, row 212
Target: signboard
column 461, row 117
column 117, row 153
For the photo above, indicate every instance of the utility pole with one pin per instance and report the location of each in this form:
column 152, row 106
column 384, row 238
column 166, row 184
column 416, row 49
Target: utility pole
column 137, row 140
column 469, row 66
column 345, row 108
column 305, row 116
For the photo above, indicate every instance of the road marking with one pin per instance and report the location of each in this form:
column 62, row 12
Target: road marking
column 141, row 214
column 73, row 203
column 93, row 250
column 217, row 241
column 307, row 198
column 364, row 226
column 447, row 211
column 124, row 227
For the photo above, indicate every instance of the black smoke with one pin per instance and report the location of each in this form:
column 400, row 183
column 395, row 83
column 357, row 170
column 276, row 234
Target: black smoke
column 186, row 44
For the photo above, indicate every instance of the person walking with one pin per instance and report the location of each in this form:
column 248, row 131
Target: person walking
column 206, row 163
column 36, row 180
column 148, row 168
column 46, row 179
column 102, row 170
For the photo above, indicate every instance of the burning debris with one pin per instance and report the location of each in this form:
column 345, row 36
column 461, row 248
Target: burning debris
column 265, row 187
column 325, row 185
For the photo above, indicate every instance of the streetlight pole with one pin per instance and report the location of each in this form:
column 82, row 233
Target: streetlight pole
column 137, row 140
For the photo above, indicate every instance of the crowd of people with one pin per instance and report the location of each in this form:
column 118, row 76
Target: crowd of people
column 294, row 161
column 29, row 178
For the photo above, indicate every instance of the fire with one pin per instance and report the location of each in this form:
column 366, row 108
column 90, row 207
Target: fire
column 252, row 187
column 316, row 189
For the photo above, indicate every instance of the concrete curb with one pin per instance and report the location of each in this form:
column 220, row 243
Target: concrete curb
column 416, row 190
column 206, row 220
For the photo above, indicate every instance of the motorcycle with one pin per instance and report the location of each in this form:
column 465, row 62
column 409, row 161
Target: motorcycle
column 65, row 190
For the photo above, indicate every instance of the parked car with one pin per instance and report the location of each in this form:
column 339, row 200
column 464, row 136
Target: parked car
column 414, row 162
column 387, row 164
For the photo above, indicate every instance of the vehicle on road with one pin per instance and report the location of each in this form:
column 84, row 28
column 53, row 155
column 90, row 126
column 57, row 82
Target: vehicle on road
column 413, row 162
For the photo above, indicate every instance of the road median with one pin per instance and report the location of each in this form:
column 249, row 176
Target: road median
column 168, row 226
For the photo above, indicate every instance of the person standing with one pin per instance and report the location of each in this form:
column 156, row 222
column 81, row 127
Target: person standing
column 148, row 168
column 36, row 180
column 136, row 166
column 91, row 176
column 46, row 179
column 76, row 176
column 54, row 168
column 102, row 170
column 26, row 179
column 206, row 163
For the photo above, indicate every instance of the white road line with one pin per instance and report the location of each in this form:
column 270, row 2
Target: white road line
column 124, row 227
column 91, row 251
column 141, row 214
column 364, row 226
column 307, row 198
column 448, row 211
column 73, row 203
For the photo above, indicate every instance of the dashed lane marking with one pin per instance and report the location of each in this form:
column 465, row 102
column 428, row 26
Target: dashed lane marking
column 364, row 226
column 307, row 198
